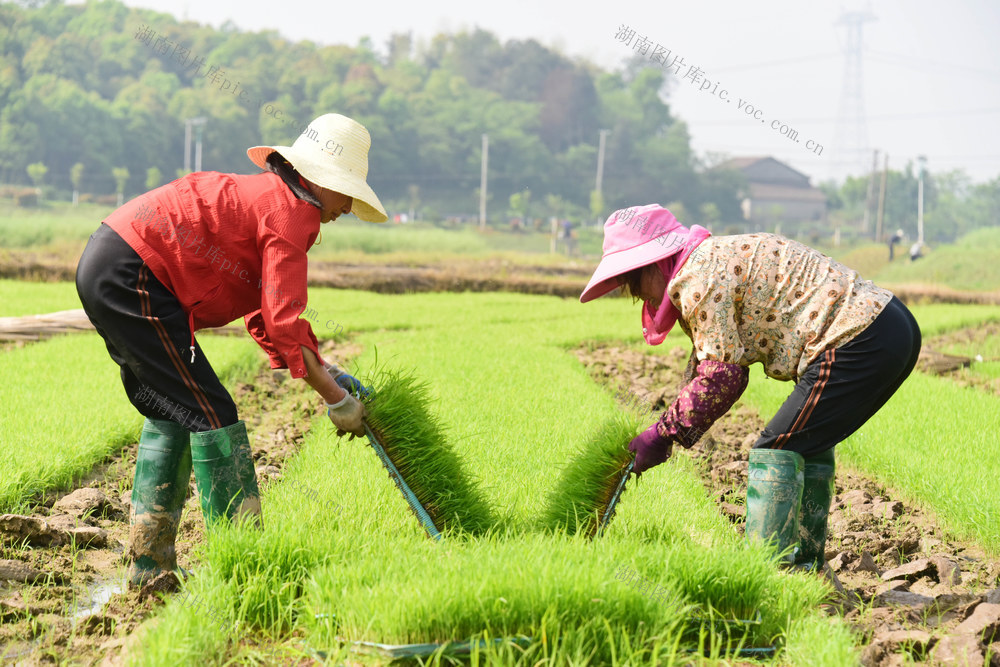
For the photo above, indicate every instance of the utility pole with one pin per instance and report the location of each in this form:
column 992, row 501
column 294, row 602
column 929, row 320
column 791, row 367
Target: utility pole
column 482, row 182
column 881, row 200
column 198, row 123
column 600, row 163
column 922, row 159
column 871, row 190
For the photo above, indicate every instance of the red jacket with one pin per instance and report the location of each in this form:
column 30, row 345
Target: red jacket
column 228, row 245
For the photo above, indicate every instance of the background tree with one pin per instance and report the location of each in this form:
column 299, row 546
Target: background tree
column 709, row 214
column 520, row 203
column 597, row 206
column 76, row 177
column 154, row 178
column 120, row 175
column 120, row 102
column 414, row 194
column 36, row 172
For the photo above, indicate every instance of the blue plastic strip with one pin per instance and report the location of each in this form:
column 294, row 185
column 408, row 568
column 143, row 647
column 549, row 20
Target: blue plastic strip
column 401, row 484
column 424, row 650
column 610, row 512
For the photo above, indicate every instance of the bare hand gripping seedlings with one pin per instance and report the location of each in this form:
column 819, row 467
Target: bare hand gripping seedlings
column 414, row 442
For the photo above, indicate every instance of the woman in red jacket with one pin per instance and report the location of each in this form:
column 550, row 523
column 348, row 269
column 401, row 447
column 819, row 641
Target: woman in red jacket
column 197, row 253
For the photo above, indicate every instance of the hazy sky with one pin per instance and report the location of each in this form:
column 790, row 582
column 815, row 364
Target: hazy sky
column 931, row 70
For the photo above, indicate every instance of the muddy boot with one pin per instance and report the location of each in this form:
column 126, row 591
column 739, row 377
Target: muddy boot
column 223, row 469
column 817, row 493
column 774, row 493
column 162, row 475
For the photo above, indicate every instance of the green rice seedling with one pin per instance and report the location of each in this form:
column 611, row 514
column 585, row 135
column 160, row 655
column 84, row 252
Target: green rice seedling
column 939, row 318
column 564, row 588
column 415, row 441
column 197, row 625
column 588, row 483
column 50, row 436
column 502, row 378
column 19, row 298
column 265, row 571
column 929, row 444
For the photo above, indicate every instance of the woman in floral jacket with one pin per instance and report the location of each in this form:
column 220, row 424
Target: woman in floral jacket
column 845, row 342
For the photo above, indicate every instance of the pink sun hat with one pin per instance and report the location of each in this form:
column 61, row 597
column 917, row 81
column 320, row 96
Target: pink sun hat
column 634, row 237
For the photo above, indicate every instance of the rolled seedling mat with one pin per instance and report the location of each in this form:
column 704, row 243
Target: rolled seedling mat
column 404, row 488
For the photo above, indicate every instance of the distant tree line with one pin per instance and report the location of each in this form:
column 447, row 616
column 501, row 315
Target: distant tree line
column 94, row 98
column 108, row 87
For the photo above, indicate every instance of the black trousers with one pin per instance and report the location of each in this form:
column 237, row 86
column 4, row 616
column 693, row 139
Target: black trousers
column 844, row 387
column 149, row 336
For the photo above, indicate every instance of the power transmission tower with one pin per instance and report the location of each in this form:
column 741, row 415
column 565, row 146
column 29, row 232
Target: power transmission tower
column 852, row 128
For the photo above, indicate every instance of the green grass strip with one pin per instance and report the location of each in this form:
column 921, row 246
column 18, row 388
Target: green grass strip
column 415, row 440
column 19, row 298
column 65, row 410
column 589, row 481
column 933, row 442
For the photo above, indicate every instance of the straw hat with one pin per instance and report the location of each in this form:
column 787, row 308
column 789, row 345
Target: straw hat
column 332, row 152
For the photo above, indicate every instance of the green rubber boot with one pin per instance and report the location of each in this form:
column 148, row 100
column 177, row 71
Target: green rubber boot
column 817, row 494
column 223, row 469
column 162, row 475
column 774, row 494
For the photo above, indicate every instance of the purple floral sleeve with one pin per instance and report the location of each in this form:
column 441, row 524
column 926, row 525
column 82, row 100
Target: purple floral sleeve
column 714, row 389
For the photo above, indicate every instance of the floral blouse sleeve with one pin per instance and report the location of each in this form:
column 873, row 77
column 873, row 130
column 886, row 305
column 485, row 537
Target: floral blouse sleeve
column 714, row 389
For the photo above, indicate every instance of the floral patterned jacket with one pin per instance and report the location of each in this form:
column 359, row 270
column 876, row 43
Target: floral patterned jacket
column 758, row 298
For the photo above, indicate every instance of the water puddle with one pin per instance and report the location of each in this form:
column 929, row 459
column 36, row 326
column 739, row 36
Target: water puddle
column 96, row 596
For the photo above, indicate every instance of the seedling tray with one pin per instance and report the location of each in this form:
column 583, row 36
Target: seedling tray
column 396, row 651
column 609, row 513
column 404, row 488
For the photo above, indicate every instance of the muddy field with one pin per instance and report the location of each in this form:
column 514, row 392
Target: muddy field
column 64, row 601
column 460, row 274
column 910, row 591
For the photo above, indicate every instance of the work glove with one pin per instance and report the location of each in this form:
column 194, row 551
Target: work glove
column 347, row 415
column 348, row 382
column 650, row 448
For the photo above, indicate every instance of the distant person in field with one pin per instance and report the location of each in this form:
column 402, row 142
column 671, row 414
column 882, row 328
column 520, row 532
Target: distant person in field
column 197, row 253
column 916, row 251
column 896, row 238
column 568, row 237
column 760, row 298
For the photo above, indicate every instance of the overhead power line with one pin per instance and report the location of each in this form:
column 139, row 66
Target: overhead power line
column 907, row 116
column 921, row 64
column 774, row 63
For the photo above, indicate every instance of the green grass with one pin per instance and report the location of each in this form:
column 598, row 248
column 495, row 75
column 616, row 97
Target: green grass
column 969, row 264
column 59, row 224
column 516, row 407
column 48, row 225
column 19, row 298
column 65, row 410
column 932, row 443
column 939, row 318
column 868, row 260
